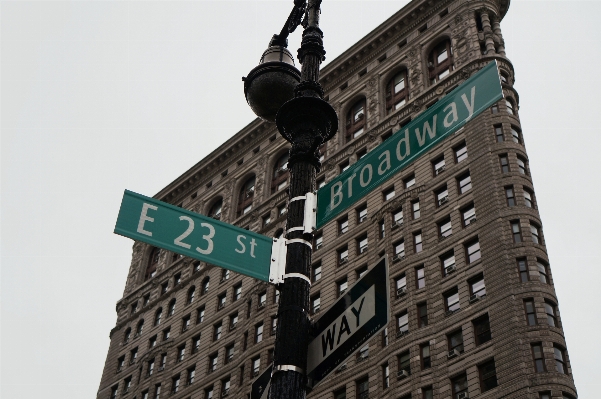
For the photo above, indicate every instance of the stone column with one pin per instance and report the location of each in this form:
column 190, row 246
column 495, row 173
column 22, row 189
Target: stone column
column 488, row 33
column 496, row 27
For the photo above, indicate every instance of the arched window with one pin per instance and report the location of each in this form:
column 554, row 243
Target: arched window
column 171, row 310
column 397, row 91
column 205, row 286
column 247, row 193
column 153, row 262
column 279, row 179
column 215, row 211
column 355, row 120
column 127, row 335
column 191, row 292
column 440, row 61
column 139, row 328
column 157, row 316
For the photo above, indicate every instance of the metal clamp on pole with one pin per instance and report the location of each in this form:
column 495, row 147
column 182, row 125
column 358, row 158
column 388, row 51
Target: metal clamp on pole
column 297, row 275
column 309, row 216
column 277, row 268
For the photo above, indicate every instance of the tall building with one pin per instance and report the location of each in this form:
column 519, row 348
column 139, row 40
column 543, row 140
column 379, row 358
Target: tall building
column 474, row 310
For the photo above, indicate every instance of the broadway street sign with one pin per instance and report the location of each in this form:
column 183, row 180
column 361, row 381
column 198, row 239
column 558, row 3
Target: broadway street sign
column 196, row 236
column 346, row 327
column 453, row 111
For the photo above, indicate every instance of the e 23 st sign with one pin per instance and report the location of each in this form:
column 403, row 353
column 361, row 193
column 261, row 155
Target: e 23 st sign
column 196, row 236
column 444, row 118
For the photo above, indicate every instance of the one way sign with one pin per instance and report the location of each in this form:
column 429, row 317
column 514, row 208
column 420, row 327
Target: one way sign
column 343, row 329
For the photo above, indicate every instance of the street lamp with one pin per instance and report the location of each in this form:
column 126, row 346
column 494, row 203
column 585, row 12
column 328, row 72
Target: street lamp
column 306, row 121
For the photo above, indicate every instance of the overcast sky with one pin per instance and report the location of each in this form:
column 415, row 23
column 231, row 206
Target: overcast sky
column 97, row 97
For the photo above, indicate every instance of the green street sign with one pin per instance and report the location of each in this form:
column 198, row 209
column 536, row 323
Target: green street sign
column 449, row 114
column 196, row 236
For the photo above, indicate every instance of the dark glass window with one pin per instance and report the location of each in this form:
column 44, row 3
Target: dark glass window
column 355, row 120
column 499, row 133
column 516, row 231
column 538, row 357
column 245, row 198
column 363, row 388
column 560, row 362
column 542, row 272
column 422, row 314
column 530, row 311
column 523, row 270
column 504, row 163
column 509, row 194
column 488, row 375
column 397, row 91
column 420, row 277
column 417, row 242
column 459, row 385
column 280, row 175
column 425, row 356
column 482, row 329
column 550, row 309
column 455, row 340
column 440, row 61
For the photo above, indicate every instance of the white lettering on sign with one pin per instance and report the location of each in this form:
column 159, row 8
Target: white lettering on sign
column 341, row 329
column 421, row 137
column 470, row 107
column 144, row 218
column 336, row 195
column 178, row 240
column 207, row 238
column 253, row 244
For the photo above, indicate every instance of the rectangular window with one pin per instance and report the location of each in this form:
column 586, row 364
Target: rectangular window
column 427, row 393
column 217, row 328
column 362, row 214
column 399, row 251
column 550, row 310
column 422, row 314
column 181, row 352
column 516, row 135
column 516, row 232
column 482, row 329
column 175, row 384
column 509, row 194
column 499, row 133
column 385, row 376
column 157, row 391
column 385, row 337
column 398, row 218
column 317, row 241
column 488, row 375
column 225, row 387
column 560, row 362
column 503, row 160
column 477, row 286
column 388, row 194
column 274, row 325
column 316, row 272
column 424, row 350
column 258, row 333
column 382, row 229
column 417, row 242
column 444, row 228
column 166, row 333
column 213, row 362
column 342, row 286
column 459, row 385
column 233, row 321
column 538, row 357
column 209, row 393
column 523, row 270
column 262, row 300
column 343, row 225
column 530, row 311
column 342, row 256
column 451, row 301
column 200, row 315
column 535, row 232
column 473, row 251
column 455, row 341
column 438, row 166
column 542, row 272
column 186, row 323
column 191, row 372
column 545, row 395
column 362, row 245
column 415, row 209
column 229, row 353
column 404, row 363
column 221, row 301
column 401, row 285
column 256, row 366
column 315, row 304
column 321, row 182
column 460, row 153
column 402, row 323
column 465, row 183
column 420, row 277
column 468, row 215
column 196, row 344
column 237, row 292
column 409, row 181
column 528, row 198
column 447, row 262
column 361, row 271
column 363, row 388
column 341, row 394
column 522, row 166
column 442, row 196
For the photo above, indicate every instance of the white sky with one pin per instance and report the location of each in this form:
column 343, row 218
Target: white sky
column 97, row 97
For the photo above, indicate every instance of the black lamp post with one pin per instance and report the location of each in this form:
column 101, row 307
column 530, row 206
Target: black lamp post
column 306, row 121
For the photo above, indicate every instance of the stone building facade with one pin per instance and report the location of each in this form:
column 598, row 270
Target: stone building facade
column 474, row 311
